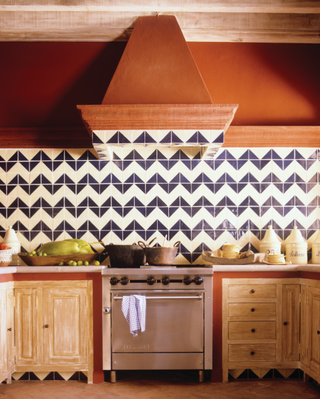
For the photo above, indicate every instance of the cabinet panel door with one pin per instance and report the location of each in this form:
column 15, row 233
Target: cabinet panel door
column 65, row 325
column 28, row 316
column 10, row 328
column 3, row 322
column 314, row 326
column 304, row 326
column 290, row 321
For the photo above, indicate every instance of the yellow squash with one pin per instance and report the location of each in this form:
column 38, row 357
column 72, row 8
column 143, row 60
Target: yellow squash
column 66, row 247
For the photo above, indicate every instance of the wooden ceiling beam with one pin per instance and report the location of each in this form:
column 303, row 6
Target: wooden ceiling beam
column 269, row 21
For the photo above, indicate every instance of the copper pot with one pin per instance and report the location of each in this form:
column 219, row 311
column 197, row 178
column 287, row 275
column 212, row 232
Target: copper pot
column 160, row 256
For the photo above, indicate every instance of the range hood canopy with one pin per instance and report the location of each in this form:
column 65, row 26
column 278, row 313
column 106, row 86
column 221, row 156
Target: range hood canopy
column 157, row 96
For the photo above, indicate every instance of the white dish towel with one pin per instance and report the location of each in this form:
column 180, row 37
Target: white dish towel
column 134, row 310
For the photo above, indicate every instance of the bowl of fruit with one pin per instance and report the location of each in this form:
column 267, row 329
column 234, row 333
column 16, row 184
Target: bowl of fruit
column 5, row 255
column 70, row 252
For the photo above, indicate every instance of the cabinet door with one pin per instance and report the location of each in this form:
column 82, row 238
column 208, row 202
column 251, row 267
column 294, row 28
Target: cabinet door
column 28, row 316
column 10, row 329
column 304, row 325
column 65, row 325
column 3, row 323
column 314, row 328
column 290, row 322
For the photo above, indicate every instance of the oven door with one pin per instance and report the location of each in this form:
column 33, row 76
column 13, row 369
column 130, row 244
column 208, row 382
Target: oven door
column 173, row 337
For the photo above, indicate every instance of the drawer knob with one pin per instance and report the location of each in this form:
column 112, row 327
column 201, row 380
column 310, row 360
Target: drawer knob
column 252, row 309
column 252, row 291
column 252, row 353
column 318, row 332
column 285, row 323
column 253, row 330
column 46, row 326
column 9, row 329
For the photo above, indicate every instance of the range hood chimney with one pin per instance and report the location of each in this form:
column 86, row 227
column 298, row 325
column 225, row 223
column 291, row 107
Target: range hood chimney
column 157, row 96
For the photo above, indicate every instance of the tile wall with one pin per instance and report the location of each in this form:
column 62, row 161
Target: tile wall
column 56, row 194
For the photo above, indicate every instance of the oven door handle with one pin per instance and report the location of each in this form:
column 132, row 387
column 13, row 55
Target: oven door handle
column 166, row 297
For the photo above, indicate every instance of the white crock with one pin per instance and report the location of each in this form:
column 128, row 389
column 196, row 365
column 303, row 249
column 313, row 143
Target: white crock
column 296, row 248
column 270, row 243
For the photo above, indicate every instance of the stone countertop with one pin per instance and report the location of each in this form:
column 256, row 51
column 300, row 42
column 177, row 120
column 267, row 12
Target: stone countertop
column 261, row 267
column 257, row 267
column 50, row 269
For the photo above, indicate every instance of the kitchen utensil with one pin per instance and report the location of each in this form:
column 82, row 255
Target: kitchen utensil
column 164, row 240
column 160, row 256
column 54, row 260
column 219, row 260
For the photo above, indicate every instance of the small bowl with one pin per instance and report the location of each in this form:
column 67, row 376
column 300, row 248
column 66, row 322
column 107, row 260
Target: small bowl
column 5, row 257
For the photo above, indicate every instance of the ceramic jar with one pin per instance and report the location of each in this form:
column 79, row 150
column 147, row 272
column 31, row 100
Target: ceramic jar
column 316, row 250
column 296, row 248
column 11, row 240
column 270, row 243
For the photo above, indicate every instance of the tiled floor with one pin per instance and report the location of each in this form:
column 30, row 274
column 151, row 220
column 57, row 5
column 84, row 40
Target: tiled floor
column 160, row 385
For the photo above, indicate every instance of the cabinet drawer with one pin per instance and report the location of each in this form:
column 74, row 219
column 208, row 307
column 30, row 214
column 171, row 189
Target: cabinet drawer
column 252, row 291
column 252, row 309
column 252, row 353
column 252, row 330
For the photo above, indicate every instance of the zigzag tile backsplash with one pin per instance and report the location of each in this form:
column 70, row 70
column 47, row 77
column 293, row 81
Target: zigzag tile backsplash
column 55, row 194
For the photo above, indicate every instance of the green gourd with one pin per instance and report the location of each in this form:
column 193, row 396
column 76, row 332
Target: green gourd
column 66, row 247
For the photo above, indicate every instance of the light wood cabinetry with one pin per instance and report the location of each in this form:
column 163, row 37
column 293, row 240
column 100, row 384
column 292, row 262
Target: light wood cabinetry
column 65, row 333
column 53, row 327
column 261, row 319
column 6, row 332
column 290, row 322
column 3, row 322
column 310, row 328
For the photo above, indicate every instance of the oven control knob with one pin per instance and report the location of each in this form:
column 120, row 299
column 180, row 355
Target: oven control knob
column 114, row 281
column 198, row 280
column 165, row 280
column 187, row 280
column 124, row 280
column 151, row 280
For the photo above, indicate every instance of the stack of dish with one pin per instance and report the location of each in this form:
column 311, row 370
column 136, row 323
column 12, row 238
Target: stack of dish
column 277, row 259
column 230, row 251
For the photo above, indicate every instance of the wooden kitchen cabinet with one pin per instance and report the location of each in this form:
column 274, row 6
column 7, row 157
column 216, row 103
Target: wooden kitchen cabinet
column 261, row 321
column 65, row 319
column 290, row 322
column 6, row 332
column 310, row 328
column 3, row 322
column 10, row 329
column 53, row 322
column 28, row 315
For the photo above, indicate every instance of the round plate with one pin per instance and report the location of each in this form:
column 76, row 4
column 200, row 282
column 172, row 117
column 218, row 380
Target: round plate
column 54, row 260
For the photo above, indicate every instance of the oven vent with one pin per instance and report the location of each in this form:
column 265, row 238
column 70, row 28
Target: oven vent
column 157, row 97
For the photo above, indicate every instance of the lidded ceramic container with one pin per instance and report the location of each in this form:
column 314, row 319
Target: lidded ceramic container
column 11, row 240
column 270, row 244
column 296, row 248
column 316, row 250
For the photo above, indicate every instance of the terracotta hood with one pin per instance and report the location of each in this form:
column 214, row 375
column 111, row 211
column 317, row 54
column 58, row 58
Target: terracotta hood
column 157, row 96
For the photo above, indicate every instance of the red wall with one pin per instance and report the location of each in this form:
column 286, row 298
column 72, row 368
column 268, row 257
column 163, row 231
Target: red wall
column 41, row 83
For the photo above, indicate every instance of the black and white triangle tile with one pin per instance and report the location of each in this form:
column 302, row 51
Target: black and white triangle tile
column 146, row 192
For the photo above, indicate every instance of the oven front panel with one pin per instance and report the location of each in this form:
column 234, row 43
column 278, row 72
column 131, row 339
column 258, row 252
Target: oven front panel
column 174, row 323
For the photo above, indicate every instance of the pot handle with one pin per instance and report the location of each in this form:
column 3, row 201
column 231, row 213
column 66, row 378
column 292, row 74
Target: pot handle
column 142, row 244
column 177, row 244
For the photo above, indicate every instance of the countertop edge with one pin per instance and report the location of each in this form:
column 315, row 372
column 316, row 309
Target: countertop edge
column 213, row 269
column 50, row 269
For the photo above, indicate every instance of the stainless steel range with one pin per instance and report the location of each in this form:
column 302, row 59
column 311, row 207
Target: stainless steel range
column 178, row 331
